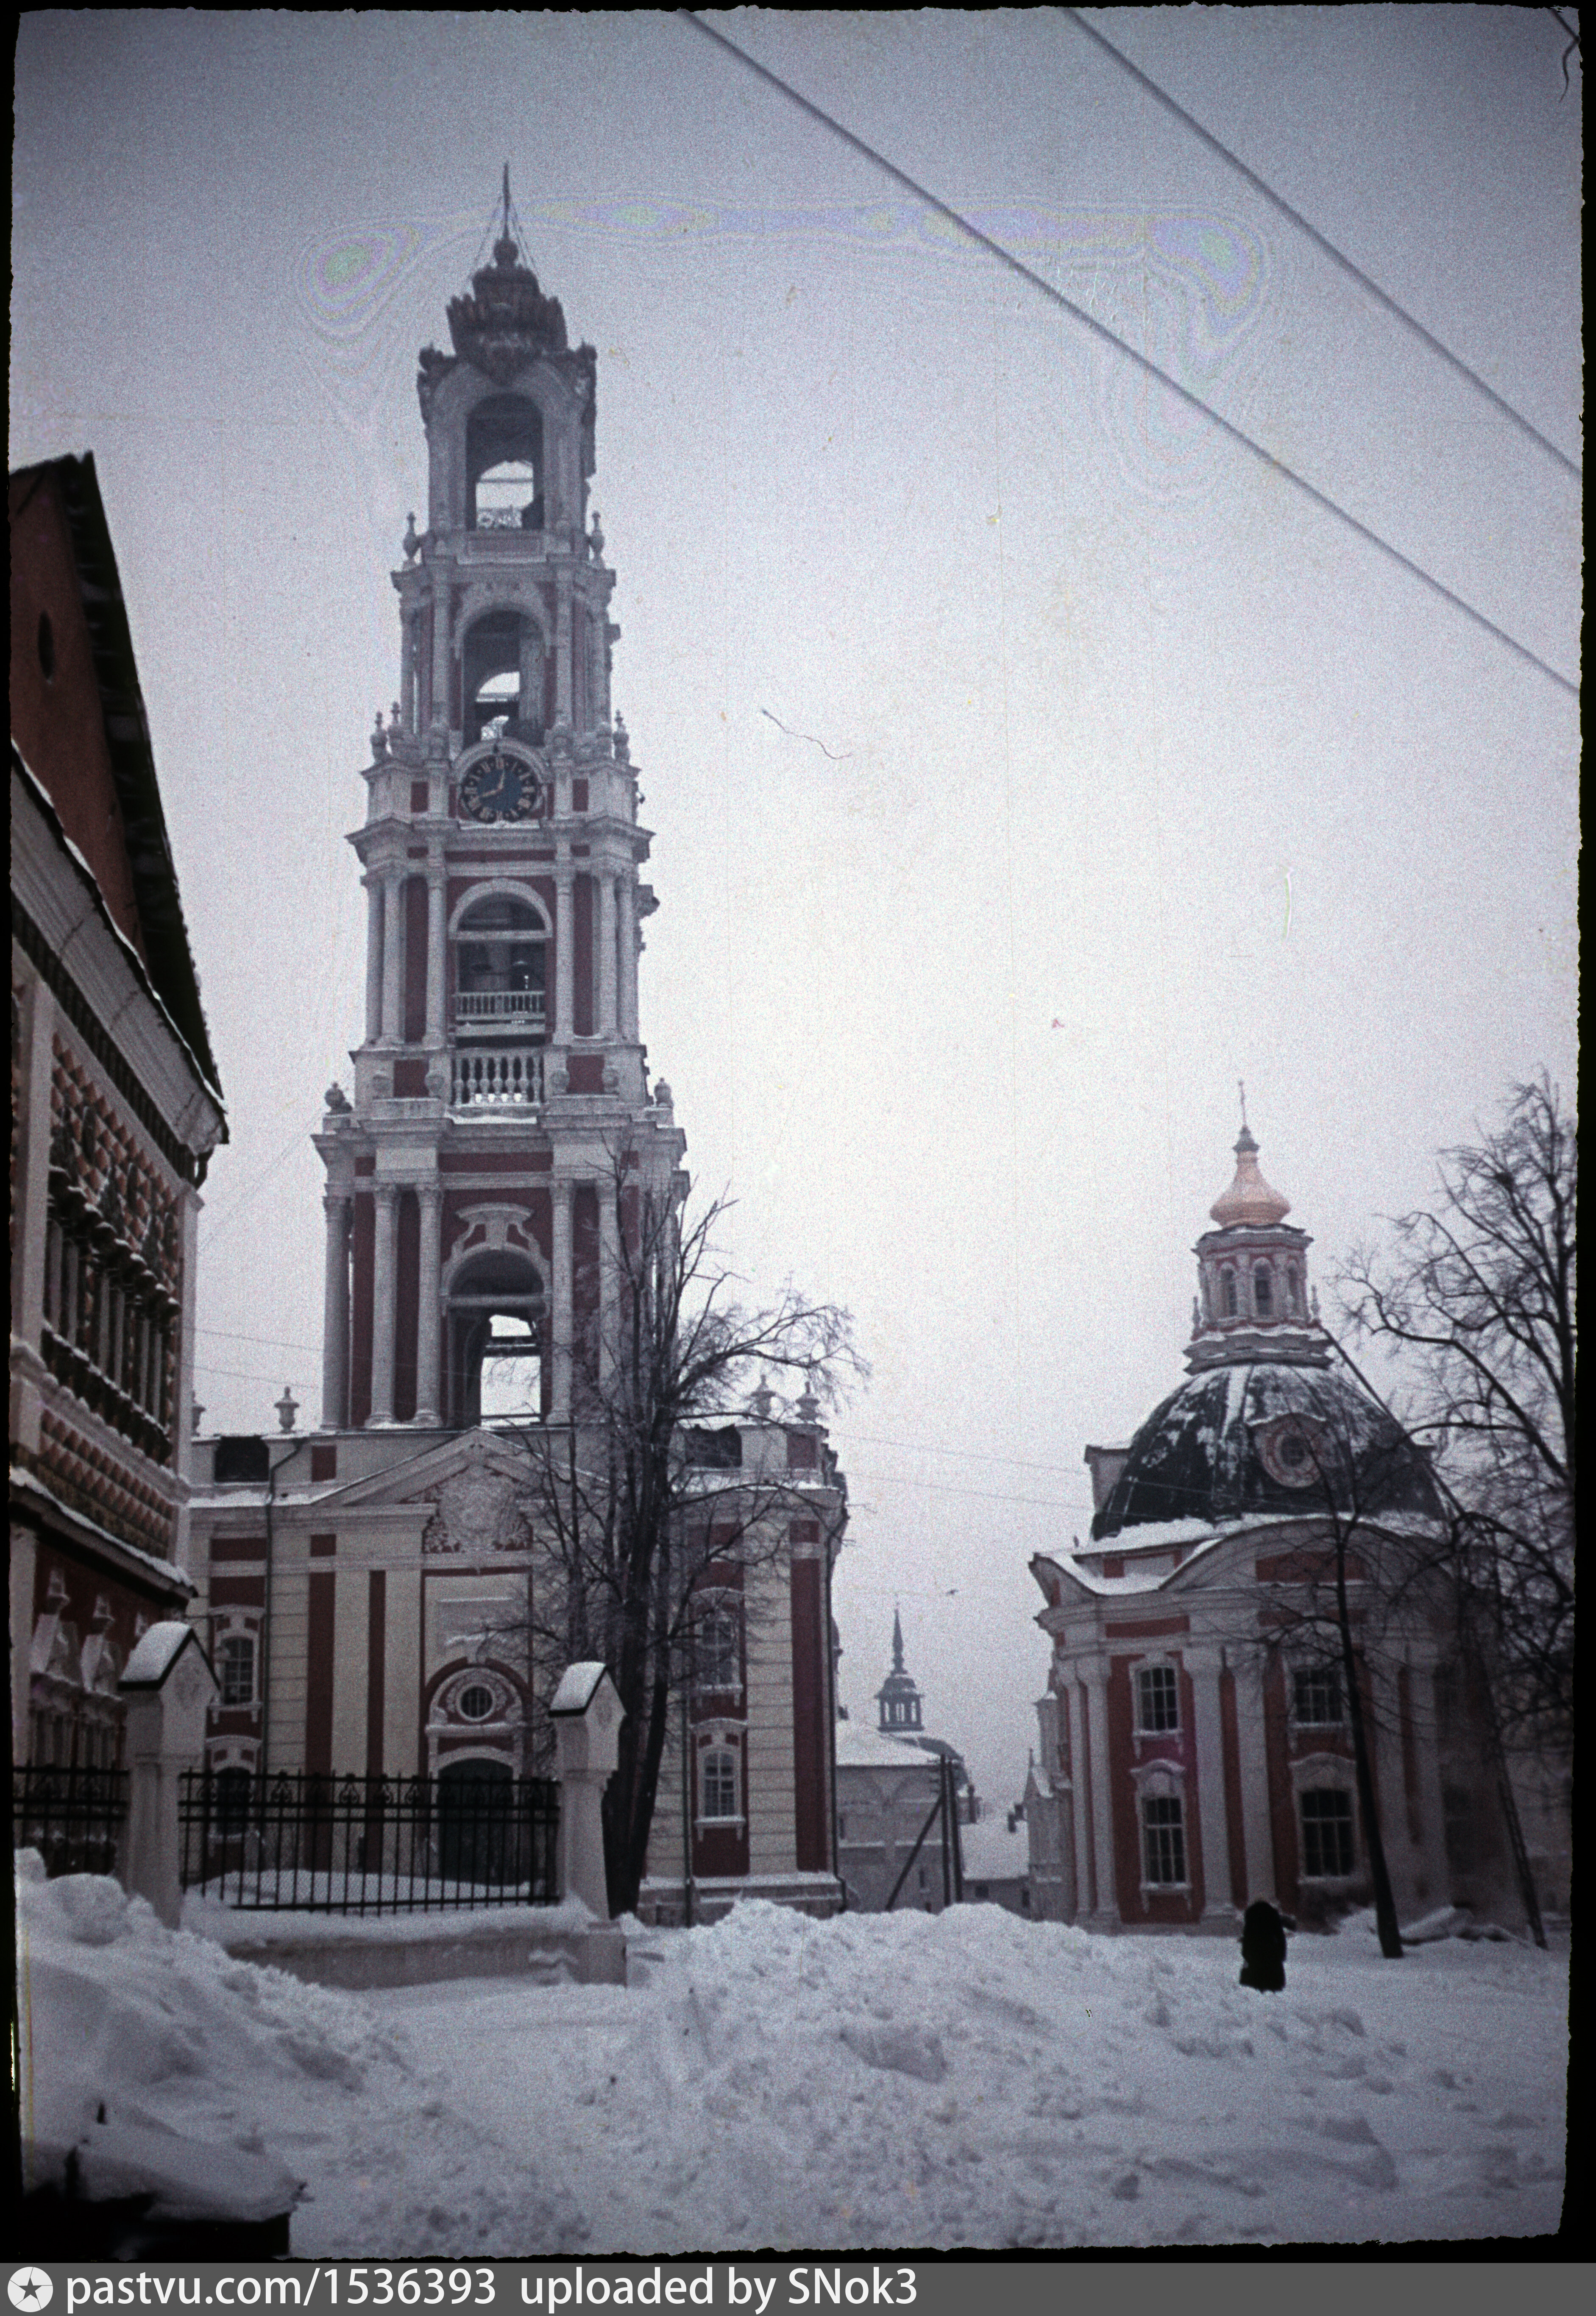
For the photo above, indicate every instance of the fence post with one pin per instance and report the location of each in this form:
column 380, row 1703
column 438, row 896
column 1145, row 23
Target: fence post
column 587, row 1716
column 168, row 1685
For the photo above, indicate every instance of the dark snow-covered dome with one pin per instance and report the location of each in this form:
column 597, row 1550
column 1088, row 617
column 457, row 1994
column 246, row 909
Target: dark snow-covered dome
column 1266, row 1437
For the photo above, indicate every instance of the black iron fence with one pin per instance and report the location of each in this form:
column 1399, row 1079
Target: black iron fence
column 298, row 1840
column 74, row 1818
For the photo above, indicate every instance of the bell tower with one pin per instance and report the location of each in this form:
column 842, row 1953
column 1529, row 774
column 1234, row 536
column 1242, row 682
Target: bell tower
column 471, row 1181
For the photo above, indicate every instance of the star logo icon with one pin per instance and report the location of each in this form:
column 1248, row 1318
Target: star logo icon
column 30, row 2287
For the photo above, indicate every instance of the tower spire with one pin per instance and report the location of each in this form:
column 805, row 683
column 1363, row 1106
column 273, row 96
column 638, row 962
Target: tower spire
column 897, row 1641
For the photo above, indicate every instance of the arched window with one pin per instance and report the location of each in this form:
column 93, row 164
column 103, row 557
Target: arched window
column 1228, row 1302
column 505, row 465
column 501, row 971
column 502, row 679
column 1293, row 1288
column 718, row 1651
column 717, row 1784
column 496, row 1339
column 1263, row 1290
column 237, row 1669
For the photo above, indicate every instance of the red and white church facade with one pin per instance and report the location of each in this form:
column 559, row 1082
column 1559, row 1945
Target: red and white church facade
column 368, row 1571
column 1195, row 1742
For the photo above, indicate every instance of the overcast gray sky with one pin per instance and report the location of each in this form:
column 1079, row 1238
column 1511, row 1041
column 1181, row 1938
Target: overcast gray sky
column 1129, row 774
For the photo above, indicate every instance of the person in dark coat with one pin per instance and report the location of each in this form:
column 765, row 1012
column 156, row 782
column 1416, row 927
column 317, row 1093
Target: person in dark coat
column 1263, row 1948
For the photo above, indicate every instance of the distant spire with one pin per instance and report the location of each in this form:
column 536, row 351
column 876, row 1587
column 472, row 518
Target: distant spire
column 1241, row 1083
column 897, row 1641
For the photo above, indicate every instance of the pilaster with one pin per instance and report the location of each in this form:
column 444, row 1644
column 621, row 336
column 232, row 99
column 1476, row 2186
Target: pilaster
column 429, row 1305
column 386, row 1199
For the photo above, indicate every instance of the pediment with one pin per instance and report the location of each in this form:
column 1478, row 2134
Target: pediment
column 478, row 1490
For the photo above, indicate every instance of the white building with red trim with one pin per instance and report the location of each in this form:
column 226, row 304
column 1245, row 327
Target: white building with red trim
column 1196, row 1749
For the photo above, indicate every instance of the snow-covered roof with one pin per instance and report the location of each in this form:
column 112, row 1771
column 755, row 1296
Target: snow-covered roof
column 861, row 1747
column 155, row 1654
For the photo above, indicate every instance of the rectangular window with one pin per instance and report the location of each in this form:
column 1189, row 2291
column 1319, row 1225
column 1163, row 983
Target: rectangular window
column 1163, row 1840
column 1156, row 1700
column 1326, row 1834
column 718, row 1649
column 718, row 1783
column 237, row 1669
column 1317, row 1698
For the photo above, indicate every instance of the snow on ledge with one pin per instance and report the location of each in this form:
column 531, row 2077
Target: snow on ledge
column 232, row 1927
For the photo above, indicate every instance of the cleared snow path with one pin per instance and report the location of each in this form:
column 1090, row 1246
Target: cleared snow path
column 964, row 2079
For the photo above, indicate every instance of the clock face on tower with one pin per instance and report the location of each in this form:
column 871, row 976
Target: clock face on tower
column 504, row 786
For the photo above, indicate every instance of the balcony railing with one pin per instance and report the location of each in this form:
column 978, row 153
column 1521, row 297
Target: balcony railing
column 499, row 1008
column 504, row 1078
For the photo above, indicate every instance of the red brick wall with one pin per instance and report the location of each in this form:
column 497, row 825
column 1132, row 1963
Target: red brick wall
column 406, row 1304
column 363, row 1245
column 416, row 960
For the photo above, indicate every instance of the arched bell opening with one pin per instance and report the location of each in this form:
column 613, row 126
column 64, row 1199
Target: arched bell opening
column 495, row 1333
column 501, row 974
column 502, row 673
column 505, row 465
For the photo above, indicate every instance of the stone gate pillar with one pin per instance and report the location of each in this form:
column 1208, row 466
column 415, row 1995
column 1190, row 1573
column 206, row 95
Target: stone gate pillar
column 587, row 1716
column 168, row 1686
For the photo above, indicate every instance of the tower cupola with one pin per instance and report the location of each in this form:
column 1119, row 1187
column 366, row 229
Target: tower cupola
column 898, row 1699
column 1253, row 1301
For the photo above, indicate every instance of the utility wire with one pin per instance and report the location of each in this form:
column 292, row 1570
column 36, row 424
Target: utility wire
column 1143, row 362
column 1328, row 248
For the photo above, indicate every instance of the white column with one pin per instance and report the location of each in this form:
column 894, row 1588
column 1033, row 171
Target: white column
column 384, row 1268
column 334, row 1323
column 606, row 1024
column 627, row 899
column 1096, row 1678
column 1258, row 1835
column 428, row 1306
column 560, row 1317
column 392, row 952
column 564, row 954
column 1071, row 1699
column 1212, row 1816
column 609, row 1278
column 436, row 952
column 373, row 882
column 562, row 648
column 441, row 686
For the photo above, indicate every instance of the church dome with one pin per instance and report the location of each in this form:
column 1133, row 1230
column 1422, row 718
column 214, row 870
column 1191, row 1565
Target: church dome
column 1265, row 1439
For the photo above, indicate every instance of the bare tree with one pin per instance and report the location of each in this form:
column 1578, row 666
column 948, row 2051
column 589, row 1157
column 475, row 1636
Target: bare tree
column 642, row 1507
column 1337, row 1599
column 1480, row 1292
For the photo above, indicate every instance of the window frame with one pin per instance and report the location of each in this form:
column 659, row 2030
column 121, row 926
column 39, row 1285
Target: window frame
column 1344, row 1816
column 1169, row 1831
column 1160, row 1671
column 715, row 1754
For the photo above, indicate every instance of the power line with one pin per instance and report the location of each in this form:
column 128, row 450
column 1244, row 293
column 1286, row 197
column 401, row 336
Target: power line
column 1328, row 248
column 1143, row 362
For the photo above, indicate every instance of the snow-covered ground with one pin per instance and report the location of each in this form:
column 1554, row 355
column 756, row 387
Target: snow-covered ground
column 969, row 2079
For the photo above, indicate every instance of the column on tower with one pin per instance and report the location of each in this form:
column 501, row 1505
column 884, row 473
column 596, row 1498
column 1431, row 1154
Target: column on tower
column 608, row 1279
column 565, row 953
column 437, row 892
column 562, row 648
column 407, row 670
column 560, row 1315
column 334, row 1343
column 626, row 947
column 441, row 642
column 429, row 1304
column 393, row 1025
column 384, row 1299
column 372, row 882
column 606, row 1022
